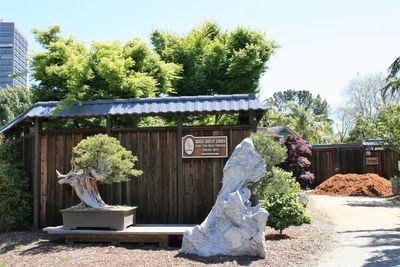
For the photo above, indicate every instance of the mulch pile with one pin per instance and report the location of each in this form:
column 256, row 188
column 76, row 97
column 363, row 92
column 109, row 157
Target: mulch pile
column 351, row 184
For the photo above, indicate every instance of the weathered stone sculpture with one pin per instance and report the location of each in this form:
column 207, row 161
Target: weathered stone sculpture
column 233, row 227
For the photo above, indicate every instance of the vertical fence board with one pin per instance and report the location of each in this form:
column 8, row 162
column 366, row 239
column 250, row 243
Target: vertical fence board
column 43, row 179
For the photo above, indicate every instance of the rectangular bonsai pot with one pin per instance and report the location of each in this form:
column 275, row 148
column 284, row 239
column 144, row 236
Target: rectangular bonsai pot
column 117, row 218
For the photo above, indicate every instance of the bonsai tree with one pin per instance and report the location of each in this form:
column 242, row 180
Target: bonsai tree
column 298, row 150
column 99, row 158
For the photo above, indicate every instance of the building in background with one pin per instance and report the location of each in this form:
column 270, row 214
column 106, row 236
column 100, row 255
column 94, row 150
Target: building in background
column 13, row 56
column 279, row 133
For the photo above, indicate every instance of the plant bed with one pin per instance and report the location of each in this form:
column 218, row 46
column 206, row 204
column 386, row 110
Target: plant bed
column 110, row 217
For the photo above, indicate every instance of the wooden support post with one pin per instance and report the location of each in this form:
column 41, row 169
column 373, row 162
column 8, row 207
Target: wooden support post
column 109, row 187
column 36, row 174
column 180, row 168
column 253, row 122
column 108, row 125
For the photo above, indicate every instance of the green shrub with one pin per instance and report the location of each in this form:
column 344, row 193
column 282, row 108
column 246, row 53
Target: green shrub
column 277, row 182
column 14, row 201
column 277, row 189
column 271, row 151
column 105, row 153
column 284, row 211
column 273, row 154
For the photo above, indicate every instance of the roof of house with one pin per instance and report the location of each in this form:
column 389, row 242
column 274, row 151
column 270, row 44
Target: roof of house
column 144, row 107
column 276, row 130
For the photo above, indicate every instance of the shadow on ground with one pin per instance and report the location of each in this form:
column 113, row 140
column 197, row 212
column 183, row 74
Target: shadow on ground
column 388, row 242
column 277, row 236
column 14, row 240
column 392, row 202
column 239, row 260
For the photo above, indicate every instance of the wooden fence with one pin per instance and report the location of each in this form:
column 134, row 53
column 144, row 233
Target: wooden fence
column 156, row 192
column 329, row 160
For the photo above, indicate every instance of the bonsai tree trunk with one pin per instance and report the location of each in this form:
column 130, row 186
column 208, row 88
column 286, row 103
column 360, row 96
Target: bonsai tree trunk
column 85, row 186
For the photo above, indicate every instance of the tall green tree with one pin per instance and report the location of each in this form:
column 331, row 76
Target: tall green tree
column 387, row 126
column 365, row 99
column 312, row 127
column 384, row 126
column 281, row 101
column 393, row 78
column 13, row 101
column 302, row 112
column 70, row 71
column 216, row 61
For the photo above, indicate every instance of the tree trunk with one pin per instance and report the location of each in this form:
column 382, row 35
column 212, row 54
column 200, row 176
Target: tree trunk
column 85, row 187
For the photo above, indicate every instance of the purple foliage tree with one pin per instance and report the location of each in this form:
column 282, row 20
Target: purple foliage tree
column 297, row 162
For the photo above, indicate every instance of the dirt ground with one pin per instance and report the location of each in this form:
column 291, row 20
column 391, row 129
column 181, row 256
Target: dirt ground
column 365, row 232
column 368, row 230
column 300, row 246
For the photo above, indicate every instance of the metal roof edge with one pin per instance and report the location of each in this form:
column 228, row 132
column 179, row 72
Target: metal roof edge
column 154, row 99
column 251, row 106
column 16, row 120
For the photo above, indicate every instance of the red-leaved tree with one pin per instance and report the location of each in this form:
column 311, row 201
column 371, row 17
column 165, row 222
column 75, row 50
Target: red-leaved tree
column 297, row 161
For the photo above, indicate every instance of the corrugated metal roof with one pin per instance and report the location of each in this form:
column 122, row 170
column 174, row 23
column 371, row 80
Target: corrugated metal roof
column 144, row 107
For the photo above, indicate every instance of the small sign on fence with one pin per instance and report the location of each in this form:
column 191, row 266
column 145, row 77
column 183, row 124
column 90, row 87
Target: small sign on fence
column 204, row 146
column 372, row 160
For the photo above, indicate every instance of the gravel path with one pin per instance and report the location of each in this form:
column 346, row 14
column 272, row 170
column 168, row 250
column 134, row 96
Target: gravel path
column 300, row 246
column 368, row 230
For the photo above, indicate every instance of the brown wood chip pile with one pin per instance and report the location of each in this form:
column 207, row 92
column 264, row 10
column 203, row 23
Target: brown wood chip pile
column 351, row 184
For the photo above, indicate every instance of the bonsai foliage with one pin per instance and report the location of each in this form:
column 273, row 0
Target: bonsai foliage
column 106, row 156
column 14, row 200
column 298, row 151
column 284, row 210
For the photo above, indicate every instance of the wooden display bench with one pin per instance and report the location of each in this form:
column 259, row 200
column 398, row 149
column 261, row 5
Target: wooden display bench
column 141, row 233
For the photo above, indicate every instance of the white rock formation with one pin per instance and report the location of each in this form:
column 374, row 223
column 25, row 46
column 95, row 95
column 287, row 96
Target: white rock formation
column 233, row 226
column 303, row 198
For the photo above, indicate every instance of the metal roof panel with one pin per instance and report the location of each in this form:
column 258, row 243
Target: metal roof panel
column 142, row 106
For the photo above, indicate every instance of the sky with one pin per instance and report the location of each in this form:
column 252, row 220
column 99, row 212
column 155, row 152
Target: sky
column 323, row 44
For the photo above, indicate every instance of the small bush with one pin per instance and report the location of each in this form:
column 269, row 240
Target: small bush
column 105, row 153
column 277, row 189
column 284, row 210
column 278, row 182
column 14, row 201
column 273, row 154
column 271, row 151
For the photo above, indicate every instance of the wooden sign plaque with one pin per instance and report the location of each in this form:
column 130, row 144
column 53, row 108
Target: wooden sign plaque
column 204, row 146
column 372, row 160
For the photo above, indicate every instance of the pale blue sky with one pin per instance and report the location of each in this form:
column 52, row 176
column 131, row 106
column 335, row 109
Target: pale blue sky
column 323, row 44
